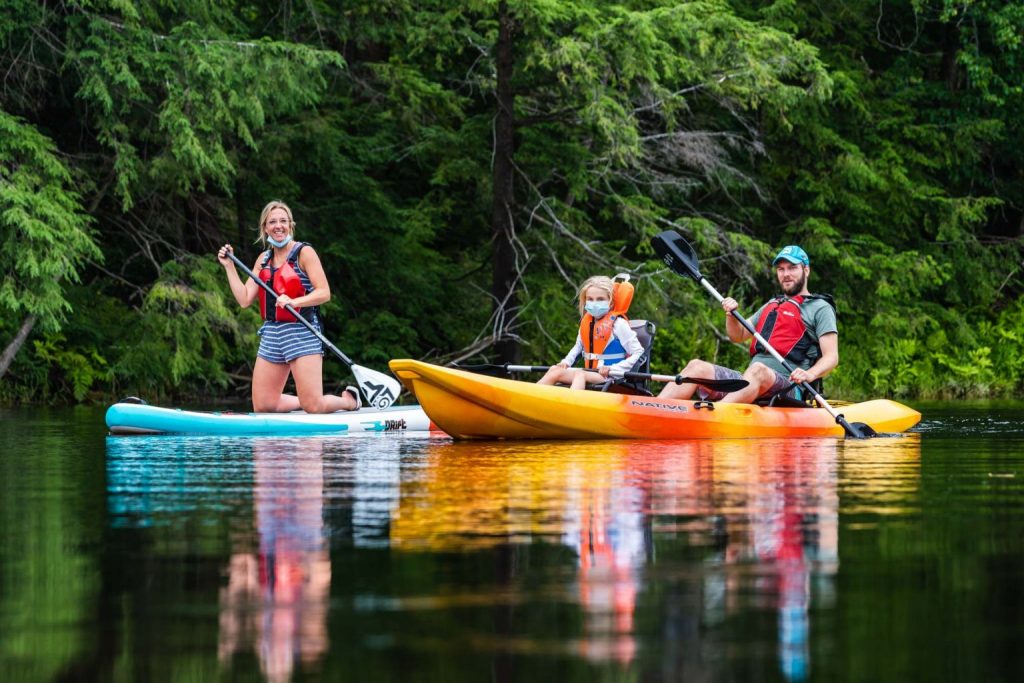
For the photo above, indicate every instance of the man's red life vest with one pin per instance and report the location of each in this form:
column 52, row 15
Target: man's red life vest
column 783, row 327
column 284, row 280
column 599, row 341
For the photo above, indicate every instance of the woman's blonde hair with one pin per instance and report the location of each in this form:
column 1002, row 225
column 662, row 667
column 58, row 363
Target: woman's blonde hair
column 602, row 282
column 276, row 204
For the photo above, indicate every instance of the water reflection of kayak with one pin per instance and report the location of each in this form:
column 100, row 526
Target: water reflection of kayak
column 469, row 405
column 136, row 418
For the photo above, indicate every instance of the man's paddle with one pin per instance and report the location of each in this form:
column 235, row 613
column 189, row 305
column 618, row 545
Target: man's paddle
column 726, row 385
column 379, row 389
column 678, row 255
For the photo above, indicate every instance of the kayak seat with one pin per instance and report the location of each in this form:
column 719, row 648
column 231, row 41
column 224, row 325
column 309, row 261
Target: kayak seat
column 792, row 397
column 645, row 331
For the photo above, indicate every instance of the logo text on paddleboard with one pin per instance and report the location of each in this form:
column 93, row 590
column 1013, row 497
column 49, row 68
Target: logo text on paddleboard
column 385, row 425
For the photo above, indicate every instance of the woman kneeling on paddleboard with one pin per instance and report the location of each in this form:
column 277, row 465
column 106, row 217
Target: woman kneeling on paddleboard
column 293, row 270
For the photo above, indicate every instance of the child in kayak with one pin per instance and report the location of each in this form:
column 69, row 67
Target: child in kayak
column 608, row 346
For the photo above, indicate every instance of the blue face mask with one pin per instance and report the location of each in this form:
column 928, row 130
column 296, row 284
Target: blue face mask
column 597, row 308
column 281, row 243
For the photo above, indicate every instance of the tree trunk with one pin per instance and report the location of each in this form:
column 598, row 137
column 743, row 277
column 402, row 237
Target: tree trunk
column 19, row 339
column 503, row 285
column 950, row 69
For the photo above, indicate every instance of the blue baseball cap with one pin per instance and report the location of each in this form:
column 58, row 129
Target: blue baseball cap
column 793, row 254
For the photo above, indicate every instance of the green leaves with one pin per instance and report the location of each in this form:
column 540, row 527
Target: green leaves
column 172, row 107
column 42, row 226
column 889, row 144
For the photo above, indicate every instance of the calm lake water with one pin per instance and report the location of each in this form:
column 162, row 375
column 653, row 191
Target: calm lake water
column 394, row 557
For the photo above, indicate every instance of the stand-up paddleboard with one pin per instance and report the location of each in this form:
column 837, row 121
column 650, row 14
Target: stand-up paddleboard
column 139, row 418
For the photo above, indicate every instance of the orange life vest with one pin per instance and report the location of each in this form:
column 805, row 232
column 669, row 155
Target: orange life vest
column 598, row 336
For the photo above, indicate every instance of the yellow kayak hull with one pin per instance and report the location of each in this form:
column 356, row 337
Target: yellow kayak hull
column 472, row 406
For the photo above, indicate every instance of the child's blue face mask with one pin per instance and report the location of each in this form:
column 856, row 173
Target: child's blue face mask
column 597, row 308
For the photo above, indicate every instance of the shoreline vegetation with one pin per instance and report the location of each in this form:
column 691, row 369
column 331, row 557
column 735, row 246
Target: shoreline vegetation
column 461, row 167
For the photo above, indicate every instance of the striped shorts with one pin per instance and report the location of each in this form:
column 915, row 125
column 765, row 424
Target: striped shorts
column 284, row 342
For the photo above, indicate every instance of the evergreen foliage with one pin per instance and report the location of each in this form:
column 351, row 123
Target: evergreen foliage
column 135, row 138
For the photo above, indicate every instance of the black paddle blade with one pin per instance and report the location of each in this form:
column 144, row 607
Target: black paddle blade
column 856, row 430
column 677, row 254
column 724, row 385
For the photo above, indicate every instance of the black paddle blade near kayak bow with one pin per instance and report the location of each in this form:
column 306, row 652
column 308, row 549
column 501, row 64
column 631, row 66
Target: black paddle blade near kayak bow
column 681, row 258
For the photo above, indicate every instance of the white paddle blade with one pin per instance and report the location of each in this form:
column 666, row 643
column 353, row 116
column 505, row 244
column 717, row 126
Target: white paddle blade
column 379, row 389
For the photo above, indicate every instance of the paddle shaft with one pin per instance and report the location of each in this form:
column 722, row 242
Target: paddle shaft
column 726, row 385
column 291, row 309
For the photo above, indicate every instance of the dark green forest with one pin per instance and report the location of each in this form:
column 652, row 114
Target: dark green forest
column 460, row 167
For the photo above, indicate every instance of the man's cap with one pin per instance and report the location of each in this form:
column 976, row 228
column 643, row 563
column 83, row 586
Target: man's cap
column 793, row 254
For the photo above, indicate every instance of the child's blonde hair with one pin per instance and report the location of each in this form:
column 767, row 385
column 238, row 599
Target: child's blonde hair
column 276, row 204
column 602, row 282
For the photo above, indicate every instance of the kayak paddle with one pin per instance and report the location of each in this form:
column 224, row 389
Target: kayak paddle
column 379, row 389
column 726, row 385
column 678, row 255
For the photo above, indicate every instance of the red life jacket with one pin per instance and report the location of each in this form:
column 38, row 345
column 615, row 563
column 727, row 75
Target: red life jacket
column 284, row 280
column 599, row 341
column 783, row 327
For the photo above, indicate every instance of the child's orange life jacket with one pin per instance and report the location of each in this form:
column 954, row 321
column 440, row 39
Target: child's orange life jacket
column 600, row 346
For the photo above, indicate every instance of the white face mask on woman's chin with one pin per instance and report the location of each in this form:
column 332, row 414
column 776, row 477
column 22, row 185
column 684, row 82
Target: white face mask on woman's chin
column 281, row 243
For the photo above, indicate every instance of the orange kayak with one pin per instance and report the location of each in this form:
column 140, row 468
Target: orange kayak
column 472, row 406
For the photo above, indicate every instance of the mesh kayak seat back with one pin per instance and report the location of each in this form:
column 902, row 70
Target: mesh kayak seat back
column 645, row 331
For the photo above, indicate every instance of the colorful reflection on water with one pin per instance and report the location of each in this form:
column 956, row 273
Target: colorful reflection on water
column 655, row 538
column 369, row 557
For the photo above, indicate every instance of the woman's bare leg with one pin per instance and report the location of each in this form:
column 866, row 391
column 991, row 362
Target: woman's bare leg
column 268, row 381
column 309, row 385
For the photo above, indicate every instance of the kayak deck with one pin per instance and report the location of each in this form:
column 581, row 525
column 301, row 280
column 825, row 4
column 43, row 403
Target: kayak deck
column 468, row 406
column 134, row 418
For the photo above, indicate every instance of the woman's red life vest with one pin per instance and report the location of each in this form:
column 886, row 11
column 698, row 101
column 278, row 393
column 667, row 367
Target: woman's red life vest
column 783, row 327
column 599, row 341
column 284, row 280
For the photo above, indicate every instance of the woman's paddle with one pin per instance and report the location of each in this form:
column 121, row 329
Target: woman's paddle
column 726, row 385
column 379, row 389
column 678, row 255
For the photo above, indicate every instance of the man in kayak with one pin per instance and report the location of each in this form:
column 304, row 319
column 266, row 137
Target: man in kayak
column 799, row 325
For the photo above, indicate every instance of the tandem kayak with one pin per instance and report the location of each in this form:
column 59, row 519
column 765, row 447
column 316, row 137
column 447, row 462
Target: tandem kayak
column 135, row 418
column 473, row 406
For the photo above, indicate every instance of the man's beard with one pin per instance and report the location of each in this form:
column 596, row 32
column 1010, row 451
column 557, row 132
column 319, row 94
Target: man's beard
column 796, row 287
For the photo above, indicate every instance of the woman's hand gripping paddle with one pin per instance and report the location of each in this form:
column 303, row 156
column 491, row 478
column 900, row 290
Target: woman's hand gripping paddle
column 379, row 389
column 680, row 257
